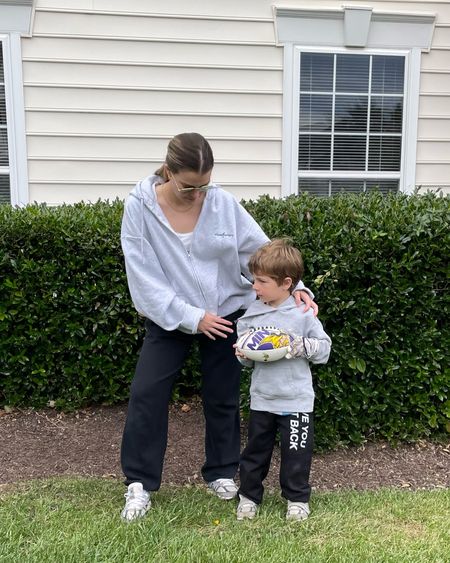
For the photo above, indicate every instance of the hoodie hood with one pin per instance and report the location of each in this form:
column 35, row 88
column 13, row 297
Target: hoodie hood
column 260, row 308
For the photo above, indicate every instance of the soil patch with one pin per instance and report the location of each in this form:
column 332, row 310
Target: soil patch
column 37, row 444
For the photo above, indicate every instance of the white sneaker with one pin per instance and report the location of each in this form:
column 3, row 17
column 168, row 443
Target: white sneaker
column 224, row 488
column 246, row 508
column 297, row 511
column 137, row 502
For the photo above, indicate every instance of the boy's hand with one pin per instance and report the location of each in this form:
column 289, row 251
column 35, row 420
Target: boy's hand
column 296, row 347
column 302, row 347
column 238, row 353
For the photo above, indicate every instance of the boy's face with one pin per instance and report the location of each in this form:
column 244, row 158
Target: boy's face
column 268, row 290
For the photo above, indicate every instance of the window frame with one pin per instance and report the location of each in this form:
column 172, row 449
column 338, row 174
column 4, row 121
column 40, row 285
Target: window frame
column 353, row 29
column 290, row 172
column 15, row 118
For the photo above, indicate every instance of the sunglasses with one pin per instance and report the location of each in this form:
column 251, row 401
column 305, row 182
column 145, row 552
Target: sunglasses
column 204, row 188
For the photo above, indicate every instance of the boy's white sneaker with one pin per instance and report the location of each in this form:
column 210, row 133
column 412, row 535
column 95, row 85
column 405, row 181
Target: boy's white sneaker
column 137, row 502
column 225, row 489
column 246, row 508
column 297, row 511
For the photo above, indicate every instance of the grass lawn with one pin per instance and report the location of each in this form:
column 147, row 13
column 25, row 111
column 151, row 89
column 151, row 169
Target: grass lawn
column 77, row 520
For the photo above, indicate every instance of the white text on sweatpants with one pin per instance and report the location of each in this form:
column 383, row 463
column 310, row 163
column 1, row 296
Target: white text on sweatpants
column 298, row 434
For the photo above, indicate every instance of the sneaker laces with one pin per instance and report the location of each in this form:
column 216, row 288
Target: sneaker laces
column 136, row 500
column 246, row 508
column 297, row 510
column 227, row 485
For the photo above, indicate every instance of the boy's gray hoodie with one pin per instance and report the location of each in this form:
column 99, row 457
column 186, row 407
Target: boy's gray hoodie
column 284, row 385
column 173, row 287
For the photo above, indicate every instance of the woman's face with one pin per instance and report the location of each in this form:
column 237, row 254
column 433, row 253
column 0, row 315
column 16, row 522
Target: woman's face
column 184, row 181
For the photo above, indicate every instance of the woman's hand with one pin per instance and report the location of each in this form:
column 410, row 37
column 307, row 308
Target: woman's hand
column 301, row 297
column 212, row 326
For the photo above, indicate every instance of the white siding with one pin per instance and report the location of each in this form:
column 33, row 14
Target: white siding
column 108, row 83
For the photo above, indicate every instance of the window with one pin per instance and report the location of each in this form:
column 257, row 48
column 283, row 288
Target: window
column 15, row 23
column 350, row 97
column 350, row 122
column 5, row 196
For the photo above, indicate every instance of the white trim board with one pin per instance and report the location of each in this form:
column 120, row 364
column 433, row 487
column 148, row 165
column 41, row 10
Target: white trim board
column 15, row 115
column 339, row 28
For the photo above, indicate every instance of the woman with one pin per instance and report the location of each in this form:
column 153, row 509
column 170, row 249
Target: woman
column 186, row 243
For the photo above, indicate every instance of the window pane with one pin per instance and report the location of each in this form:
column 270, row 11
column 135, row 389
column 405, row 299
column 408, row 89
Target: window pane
column 386, row 114
column 388, row 74
column 4, row 178
column 314, row 152
column 350, row 113
column 357, row 127
column 3, row 148
column 316, row 72
column 315, row 112
column 352, row 73
column 2, row 90
column 347, row 185
column 384, row 153
column 4, row 189
column 383, row 186
column 324, row 186
column 2, row 106
column 349, row 152
column 314, row 186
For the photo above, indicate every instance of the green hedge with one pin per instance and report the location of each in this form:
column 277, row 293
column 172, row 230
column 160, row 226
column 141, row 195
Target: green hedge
column 377, row 265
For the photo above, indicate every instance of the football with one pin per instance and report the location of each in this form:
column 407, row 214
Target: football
column 264, row 344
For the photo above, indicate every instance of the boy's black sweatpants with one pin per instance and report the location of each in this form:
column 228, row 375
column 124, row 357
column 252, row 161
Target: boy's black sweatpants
column 297, row 437
column 145, row 435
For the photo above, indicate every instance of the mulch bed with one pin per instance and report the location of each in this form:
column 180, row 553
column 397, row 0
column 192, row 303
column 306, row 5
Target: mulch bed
column 38, row 444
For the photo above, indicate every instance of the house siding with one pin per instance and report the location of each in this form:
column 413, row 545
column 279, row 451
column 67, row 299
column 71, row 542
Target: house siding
column 106, row 88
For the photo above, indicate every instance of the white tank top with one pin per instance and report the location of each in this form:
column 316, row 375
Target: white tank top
column 186, row 239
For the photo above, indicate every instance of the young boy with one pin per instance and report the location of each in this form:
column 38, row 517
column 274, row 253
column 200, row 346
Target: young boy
column 281, row 392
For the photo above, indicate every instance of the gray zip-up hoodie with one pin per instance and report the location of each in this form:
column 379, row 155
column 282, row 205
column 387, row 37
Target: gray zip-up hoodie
column 284, row 385
column 174, row 287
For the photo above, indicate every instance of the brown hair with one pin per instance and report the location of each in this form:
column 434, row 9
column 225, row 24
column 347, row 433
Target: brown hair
column 188, row 151
column 278, row 259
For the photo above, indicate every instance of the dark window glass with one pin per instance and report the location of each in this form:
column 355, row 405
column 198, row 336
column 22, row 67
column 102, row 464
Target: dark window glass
column 386, row 114
column 350, row 113
column 316, row 72
column 315, row 112
column 385, row 153
column 314, row 152
column 347, row 185
column 349, row 152
column 4, row 189
column 2, row 106
column 383, row 186
column 388, row 74
column 3, row 147
column 314, row 186
column 324, row 186
column 362, row 131
column 352, row 73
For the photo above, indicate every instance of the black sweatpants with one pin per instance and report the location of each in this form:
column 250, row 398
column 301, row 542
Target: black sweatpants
column 161, row 358
column 297, row 437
